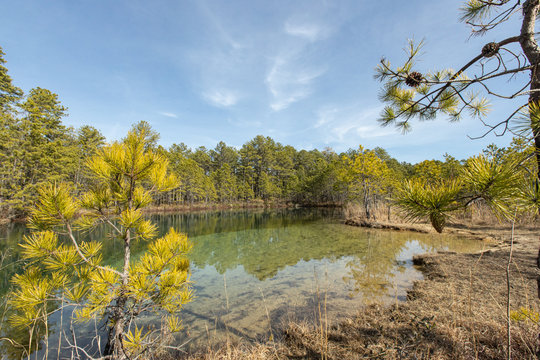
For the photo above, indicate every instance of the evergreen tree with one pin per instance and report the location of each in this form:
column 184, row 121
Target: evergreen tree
column 410, row 93
column 259, row 154
column 223, row 154
column 202, row 158
column 9, row 138
column 365, row 175
column 225, row 183
column 151, row 136
column 482, row 179
column 89, row 141
column 72, row 273
column 428, row 171
column 194, row 184
column 45, row 150
column 9, row 93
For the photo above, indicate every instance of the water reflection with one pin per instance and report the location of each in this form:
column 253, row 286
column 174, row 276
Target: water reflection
column 255, row 270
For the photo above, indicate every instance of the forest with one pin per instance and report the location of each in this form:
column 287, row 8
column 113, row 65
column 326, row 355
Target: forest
column 36, row 147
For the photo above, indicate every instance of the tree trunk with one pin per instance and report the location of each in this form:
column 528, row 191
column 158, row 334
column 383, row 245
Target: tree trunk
column 114, row 345
column 532, row 52
column 367, row 207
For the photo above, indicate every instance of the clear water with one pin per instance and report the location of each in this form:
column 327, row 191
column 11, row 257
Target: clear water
column 256, row 270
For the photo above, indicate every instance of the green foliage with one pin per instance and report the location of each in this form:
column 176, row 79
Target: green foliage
column 494, row 182
column 498, row 181
column 151, row 136
column 125, row 175
column 365, row 176
column 428, row 99
column 37, row 149
column 34, row 145
column 477, row 10
column 225, row 183
column 9, row 94
column 420, row 200
column 506, row 180
column 525, row 314
column 89, row 141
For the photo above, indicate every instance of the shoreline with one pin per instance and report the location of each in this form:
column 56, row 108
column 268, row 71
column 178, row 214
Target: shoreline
column 458, row 311
column 458, row 229
column 196, row 207
column 234, row 206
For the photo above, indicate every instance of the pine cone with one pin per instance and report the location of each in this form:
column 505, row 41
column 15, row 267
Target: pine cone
column 438, row 221
column 490, row 49
column 414, row 79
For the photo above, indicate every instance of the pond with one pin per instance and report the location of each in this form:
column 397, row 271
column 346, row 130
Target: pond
column 254, row 271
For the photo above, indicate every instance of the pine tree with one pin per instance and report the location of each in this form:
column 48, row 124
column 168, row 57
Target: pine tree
column 9, row 93
column 225, row 183
column 411, row 93
column 89, row 141
column 42, row 148
column 72, row 272
column 365, row 175
column 9, row 137
column 491, row 181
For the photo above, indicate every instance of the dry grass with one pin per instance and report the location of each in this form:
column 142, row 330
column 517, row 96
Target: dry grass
column 477, row 214
column 458, row 312
column 242, row 351
column 380, row 212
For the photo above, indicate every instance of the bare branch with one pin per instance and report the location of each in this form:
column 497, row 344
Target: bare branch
column 493, row 127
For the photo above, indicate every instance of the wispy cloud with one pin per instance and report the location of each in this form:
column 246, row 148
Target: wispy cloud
column 354, row 123
column 215, row 21
column 326, row 115
column 221, row 98
column 309, row 31
column 289, row 83
column 168, row 114
column 293, row 71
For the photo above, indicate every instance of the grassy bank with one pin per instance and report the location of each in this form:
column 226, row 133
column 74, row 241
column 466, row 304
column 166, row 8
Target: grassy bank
column 457, row 312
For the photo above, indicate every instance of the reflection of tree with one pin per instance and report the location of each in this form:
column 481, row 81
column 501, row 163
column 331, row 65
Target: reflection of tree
column 264, row 242
column 207, row 223
column 371, row 271
column 19, row 346
column 10, row 236
column 263, row 252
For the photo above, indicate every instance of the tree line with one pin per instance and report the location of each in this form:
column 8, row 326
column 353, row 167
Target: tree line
column 37, row 148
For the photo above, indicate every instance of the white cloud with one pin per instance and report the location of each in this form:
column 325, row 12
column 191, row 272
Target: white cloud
column 311, row 32
column 325, row 116
column 289, row 83
column 350, row 124
column 292, row 73
column 168, row 114
column 221, row 98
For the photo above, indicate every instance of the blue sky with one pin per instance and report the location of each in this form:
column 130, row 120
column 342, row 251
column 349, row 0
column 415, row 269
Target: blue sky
column 202, row 71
